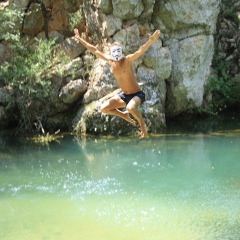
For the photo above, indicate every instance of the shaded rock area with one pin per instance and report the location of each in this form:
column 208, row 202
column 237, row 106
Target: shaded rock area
column 173, row 72
column 227, row 38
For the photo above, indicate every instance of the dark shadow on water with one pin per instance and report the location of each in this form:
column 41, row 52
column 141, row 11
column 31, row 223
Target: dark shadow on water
column 227, row 122
column 187, row 124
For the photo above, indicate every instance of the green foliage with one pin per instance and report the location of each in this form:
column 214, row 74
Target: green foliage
column 26, row 74
column 224, row 87
column 75, row 18
column 45, row 139
column 229, row 10
column 28, row 71
column 8, row 20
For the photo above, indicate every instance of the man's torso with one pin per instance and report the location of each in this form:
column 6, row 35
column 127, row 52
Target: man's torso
column 123, row 72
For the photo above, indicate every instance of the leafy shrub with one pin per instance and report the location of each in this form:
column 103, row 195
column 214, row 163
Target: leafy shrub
column 28, row 71
column 8, row 19
column 224, row 87
column 75, row 19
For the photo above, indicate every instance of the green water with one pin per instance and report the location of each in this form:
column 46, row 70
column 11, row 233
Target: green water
column 165, row 187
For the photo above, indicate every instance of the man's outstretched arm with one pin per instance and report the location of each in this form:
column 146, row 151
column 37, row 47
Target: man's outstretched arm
column 144, row 47
column 90, row 47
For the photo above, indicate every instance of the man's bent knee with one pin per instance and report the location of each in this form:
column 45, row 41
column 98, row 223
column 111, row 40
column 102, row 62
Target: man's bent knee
column 103, row 109
column 131, row 108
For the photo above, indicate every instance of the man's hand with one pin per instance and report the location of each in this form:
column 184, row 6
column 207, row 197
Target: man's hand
column 155, row 36
column 76, row 33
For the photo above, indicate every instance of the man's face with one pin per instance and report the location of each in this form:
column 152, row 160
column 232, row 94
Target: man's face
column 116, row 53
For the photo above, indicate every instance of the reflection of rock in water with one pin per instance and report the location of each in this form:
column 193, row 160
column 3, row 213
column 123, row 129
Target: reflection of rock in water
column 142, row 188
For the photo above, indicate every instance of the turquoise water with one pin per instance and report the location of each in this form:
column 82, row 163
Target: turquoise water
column 164, row 187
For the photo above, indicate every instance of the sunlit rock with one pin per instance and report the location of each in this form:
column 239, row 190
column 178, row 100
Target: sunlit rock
column 72, row 48
column 173, row 71
column 148, row 9
column 73, row 91
column 153, row 107
column 103, row 6
column 190, row 71
column 127, row 9
column 129, row 38
column 159, row 58
column 111, row 25
column 186, row 18
column 101, row 82
column 121, row 37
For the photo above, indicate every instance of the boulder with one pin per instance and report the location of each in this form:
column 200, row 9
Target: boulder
column 20, row 4
column 90, row 119
column 103, row 6
column 101, row 82
column 190, row 71
column 186, row 18
column 159, row 58
column 72, row 48
column 127, row 9
column 33, row 21
column 148, row 9
column 153, row 108
column 110, row 25
column 129, row 38
column 73, row 91
column 121, row 37
column 52, row 35
column 60, row 12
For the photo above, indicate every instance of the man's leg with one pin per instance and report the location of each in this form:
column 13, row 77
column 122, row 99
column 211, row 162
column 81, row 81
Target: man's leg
column 111, row 107
column 132, row 108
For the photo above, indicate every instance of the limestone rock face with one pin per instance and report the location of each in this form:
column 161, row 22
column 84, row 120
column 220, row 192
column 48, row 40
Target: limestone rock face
column 182, row 19
column 188, row 30
column 160, row 59
column 173, row 72
column 191, row 69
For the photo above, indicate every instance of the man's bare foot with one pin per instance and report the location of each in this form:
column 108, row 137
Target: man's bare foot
column 143, row 132
column 128, row 119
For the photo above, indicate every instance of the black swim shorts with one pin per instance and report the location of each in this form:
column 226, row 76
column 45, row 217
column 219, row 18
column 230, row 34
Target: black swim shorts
column 127, row 97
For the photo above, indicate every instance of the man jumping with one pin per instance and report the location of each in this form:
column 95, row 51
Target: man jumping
column 121, row 66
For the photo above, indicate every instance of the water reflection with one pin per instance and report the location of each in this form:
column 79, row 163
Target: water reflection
column 122, row 188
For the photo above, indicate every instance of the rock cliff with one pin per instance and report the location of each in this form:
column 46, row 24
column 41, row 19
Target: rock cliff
column 173, row 72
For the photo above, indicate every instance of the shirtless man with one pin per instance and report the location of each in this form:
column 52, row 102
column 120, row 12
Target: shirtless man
column 131, row 96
